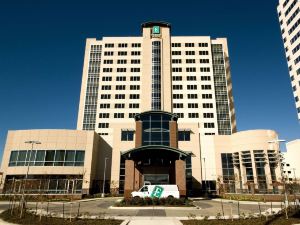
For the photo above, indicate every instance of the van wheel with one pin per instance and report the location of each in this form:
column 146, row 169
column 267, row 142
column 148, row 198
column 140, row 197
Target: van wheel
column 136, row 198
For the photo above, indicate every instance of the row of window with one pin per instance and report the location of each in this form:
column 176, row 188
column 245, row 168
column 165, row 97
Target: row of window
column 117, row 96
column 188, row 45
column 190, row 69
column 120, row 87
column 192, row 96
column 191, row 78
column 121, row 78
column 191, row 87
column 193, row 105
column 119, row 105
column 189, row 61
column 122, row 61
column 293, row 16
column 189, row 52
column 290, row 8
column 123, row 45
column 122, row 53
column 47, row 158
column 122, row 70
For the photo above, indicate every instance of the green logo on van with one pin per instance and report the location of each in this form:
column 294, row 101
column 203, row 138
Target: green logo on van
column 157, row 192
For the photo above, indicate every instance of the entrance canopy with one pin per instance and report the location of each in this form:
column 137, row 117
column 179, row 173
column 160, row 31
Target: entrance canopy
column 155, row 149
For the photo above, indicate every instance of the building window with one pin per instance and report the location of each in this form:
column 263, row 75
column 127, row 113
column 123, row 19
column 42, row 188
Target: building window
column 203, row 52
column 119, row 96
column 176, row 61
column 134, row 78
column 135, row 70
column 193, row 115
column 176, row 52
column 135, row 61
column 122, row 61
column 176, row 69
column 206, row 96
column 192, row 96
column 106, row 78
column 118, row 78
column 209, row 125
column 120, row 87
column 103, row 115
column 108, row 61
column 136, row 45
column 109, row 45
column 188, row 61
column 208, row 115
column 119, row 105
column 106, row 87
column 121, row 70
column 108, row 53
column 177, row 45
column 203, row 45
column 47, row 158
column 192, row 105
column 104, row 106
column 127, row 135
column 177, row 78
column 135, row 53
column 205, row 78
column 190, row 69
column 178, row 105
column 204, row 69
column 177, row 96
column 189, row 45
column 192, row 87
column 180, row 115
column 134, row 96
column 184, row 135
column 204, row 60
column 103, row 125
column 122, row 45
column 189, row 52
column 177, row 87
column 122, row 53
column 107, row 70
column 191, row 78
column 228, row 172
column 118, row 115
column 105, row 96
column 134, row 105
column 134, row 87
column 206, row 87
column 132, row 115
column 207, row 105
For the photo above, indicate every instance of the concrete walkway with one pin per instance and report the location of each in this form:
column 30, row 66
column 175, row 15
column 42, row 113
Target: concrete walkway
column 151, row 221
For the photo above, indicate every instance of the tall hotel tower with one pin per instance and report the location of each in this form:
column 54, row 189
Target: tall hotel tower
column 289, row 19
column 185, row 75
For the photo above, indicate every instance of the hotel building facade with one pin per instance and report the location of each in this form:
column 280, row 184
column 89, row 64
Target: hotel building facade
column 155, row 108
column 289, row 19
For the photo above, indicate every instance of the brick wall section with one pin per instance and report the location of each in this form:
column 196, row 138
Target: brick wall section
column 129, row 178
column 137, row 179
column 173, row 134
column 180, row 176
column 138, row 134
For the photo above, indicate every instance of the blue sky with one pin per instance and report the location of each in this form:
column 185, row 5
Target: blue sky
column 42, row 48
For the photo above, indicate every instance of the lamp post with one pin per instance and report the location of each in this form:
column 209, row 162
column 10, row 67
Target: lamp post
column 280, row 157
column 26, row 176
column 204, row 175
column 103, row 185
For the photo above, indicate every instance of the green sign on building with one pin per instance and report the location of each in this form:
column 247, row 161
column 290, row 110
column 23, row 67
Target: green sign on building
column 157, row 192
column 156, row 30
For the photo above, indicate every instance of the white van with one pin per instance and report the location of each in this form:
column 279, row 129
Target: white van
column 158, row 191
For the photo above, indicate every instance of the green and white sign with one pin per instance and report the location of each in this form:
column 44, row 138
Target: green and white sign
column 157, row 192
column 155, row 30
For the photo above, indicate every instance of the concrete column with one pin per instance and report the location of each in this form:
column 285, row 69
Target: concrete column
column 129, row 178
column 173, row 134
column 138, row 133
column 180, row 176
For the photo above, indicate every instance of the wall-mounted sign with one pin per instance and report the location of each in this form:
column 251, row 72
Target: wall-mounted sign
column 156, row 30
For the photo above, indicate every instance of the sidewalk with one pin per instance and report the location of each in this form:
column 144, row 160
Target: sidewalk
column 151, row 221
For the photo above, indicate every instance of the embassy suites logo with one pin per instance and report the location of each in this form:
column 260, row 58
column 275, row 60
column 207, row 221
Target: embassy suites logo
column 155, row 31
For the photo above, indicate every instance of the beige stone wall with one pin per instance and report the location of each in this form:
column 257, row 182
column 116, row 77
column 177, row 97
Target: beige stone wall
column 52, row 140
